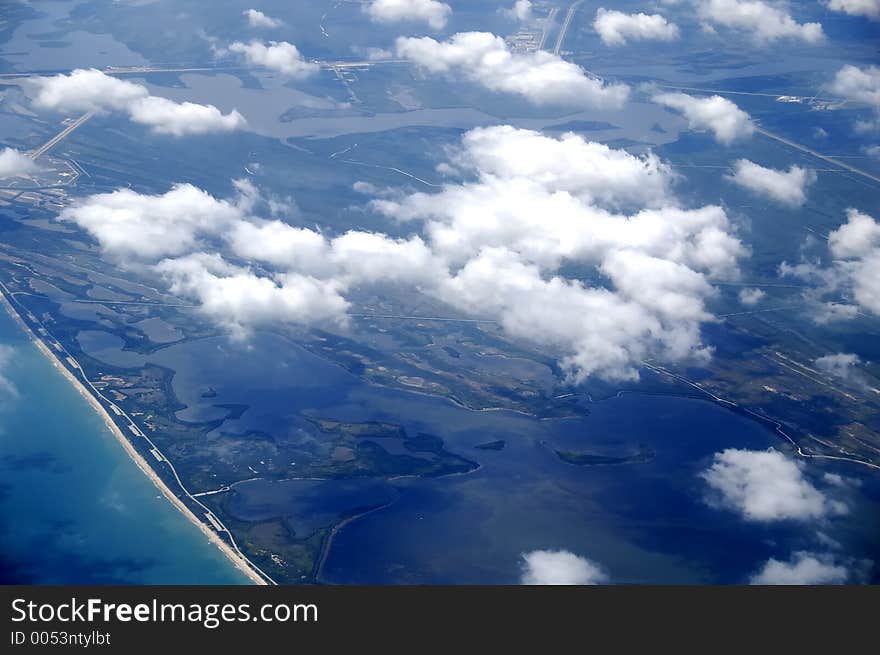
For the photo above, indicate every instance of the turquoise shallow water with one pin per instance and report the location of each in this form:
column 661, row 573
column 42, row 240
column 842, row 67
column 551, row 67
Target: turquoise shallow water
column 74, row 509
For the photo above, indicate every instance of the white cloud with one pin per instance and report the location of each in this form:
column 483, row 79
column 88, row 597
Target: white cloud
column 868, row 8
column 239, row 299
column 540, row 77
column 13, row 162
column 434, row 13
column 803, row 568
column 856, row 245
column 279, row 244
column 619, row 334
column 92, row 90
column 766, row 486
column 84, row 90
column 858, row 84
column 560, row 567
column 751, row 296
column 831, row 312
column 183, row 118
column 311, row 272
column 373, row 54
column 786, row 188
column 822, row 281
column 364, row 257
column 129, row 224
column 862, row 86
column 536, row 203
column 855, row 276
column 764, row 21
column 491, row 246
column 839, row 365
column 616, row 27
column 257, row 18
column 858, row 237
column 521, row 11
column 866, row 282
column 279, row 56
column 591, row 171
column 727, row 121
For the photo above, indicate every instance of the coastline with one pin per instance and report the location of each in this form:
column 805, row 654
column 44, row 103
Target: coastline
column 237, row 560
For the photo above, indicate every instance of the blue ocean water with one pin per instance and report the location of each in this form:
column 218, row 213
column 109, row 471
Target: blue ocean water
column 73, row 507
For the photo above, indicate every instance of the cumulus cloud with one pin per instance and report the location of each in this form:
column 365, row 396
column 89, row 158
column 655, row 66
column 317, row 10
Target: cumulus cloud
column 751, row 296
column 849, row 285
column 13, row 162
column 785, row 187
column 766, row 486
column 508, row 232
column 804, row 568
column 183, row 118
column 560, row 567
column 491, row 245
column 84, row 90
column 727, row 121
column 856, row 247
column 279, row 244
column 129, row 224
column 765, row 22
column 857, row 238
column 839, row 365
column 860, row 85
column 521, row 11
column 868, row 8
column 592, row 171
column 93, row 90
column 239, row 299
column 616, row 27
column 486, row 59
column 310, row 271
column 434, row 13
column 279, row 56
column 620, row 331
column 257, row 18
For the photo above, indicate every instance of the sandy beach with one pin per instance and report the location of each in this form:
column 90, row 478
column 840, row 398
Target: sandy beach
column 141, row 463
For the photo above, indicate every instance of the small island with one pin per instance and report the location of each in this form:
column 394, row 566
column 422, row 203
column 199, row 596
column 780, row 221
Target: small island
column 491, row 445
column 643, row 456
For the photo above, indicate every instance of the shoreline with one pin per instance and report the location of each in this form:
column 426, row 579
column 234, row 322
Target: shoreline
column 237, row 560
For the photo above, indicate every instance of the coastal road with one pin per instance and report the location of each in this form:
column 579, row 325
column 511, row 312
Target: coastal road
column 105, row 402
column 778, row 427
